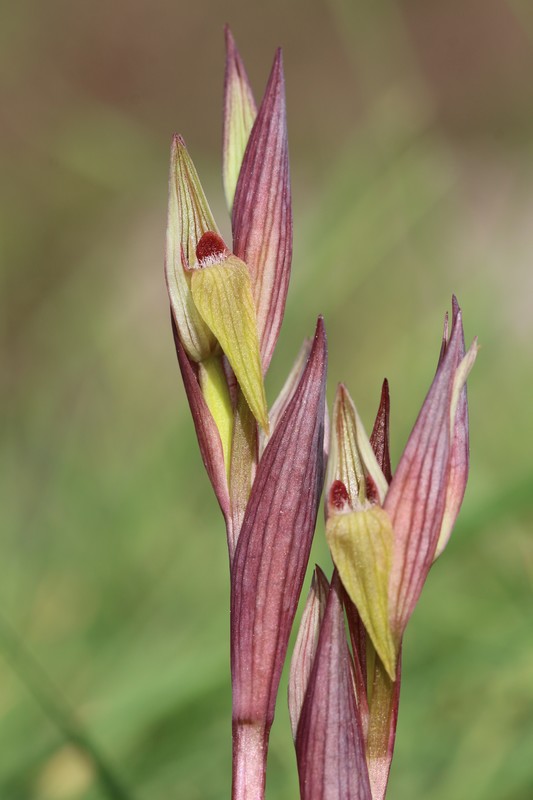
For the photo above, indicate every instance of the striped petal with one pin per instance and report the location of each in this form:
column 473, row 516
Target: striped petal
column 329, row 741
column 305, row 646
column 416, row 499
column 380, row 436
column 287, row 391
column 262, row 216
column 378, row 699
column 274, row 543
column 459, row 459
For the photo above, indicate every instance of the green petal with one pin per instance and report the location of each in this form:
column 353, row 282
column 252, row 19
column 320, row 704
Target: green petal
column 361, row 544
column 223, row 295
column 239, row 116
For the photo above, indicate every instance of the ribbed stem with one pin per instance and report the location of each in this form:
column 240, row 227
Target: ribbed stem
column 250, row 747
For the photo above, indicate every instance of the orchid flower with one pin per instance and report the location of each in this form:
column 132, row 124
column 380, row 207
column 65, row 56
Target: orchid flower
column 384, row 533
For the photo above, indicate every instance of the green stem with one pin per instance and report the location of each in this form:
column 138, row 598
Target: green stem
column 56, row 708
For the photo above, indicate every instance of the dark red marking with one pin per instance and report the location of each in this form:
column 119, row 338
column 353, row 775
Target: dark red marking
column 338, row 495
column 372, row 494
column 379, row 438
column 210, row 246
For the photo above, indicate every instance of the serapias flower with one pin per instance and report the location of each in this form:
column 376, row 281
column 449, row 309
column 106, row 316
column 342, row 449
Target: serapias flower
column 384, row 533
column 227, row 300
column 384, row 538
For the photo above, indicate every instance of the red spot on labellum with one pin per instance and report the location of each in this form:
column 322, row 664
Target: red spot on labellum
column 338, row 495
column 210, row 247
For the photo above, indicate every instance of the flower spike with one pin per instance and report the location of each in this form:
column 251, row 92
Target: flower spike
column 239, row 116
column 262, row 215
column 384, row 531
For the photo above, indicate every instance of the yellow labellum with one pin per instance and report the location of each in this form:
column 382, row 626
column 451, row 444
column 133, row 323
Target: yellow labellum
column 222, row 294
column 361, row 544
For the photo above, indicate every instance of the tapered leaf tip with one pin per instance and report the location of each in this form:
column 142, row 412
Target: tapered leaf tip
column 320, row 330
column 342, row 397
column 455, row 305
column 232, row 52
column 276, row 80
column 319, row 576
column 319, row 339
column 457, row 321
column 178, row 141
column 277, row 74
column 342, row 392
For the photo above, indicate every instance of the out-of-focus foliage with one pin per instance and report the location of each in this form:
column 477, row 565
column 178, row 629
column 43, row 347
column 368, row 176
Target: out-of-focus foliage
column 410, row 128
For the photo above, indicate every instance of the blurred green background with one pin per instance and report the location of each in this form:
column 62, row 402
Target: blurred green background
column 411, row 144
